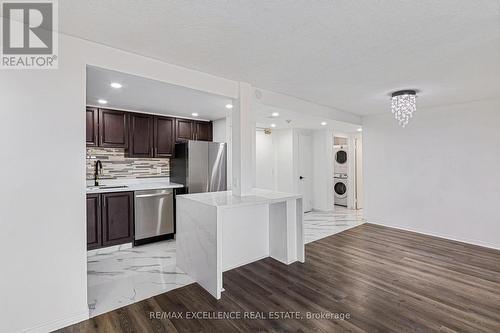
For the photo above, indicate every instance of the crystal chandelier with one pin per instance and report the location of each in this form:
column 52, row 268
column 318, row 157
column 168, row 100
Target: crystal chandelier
column 404, row 104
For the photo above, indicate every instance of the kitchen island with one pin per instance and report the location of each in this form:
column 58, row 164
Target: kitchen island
column 218, row 231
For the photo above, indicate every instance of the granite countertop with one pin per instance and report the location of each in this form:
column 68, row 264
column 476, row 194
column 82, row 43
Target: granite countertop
column 227, row 199
column 128, row 185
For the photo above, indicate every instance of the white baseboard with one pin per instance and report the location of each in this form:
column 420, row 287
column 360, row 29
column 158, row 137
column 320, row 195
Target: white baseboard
column 246, row 262
column 58, row 324
column 466, row 241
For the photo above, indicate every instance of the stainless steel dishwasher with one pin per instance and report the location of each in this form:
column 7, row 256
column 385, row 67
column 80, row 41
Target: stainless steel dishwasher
column 154, row 215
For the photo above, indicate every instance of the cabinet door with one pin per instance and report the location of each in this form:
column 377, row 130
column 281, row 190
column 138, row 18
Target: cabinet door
column 112, row 129
column 164, row 136
column 184, row 130
column 117, row 218
column 203, row 131
column 93, row 221
column 141, row 136
column 92, row 127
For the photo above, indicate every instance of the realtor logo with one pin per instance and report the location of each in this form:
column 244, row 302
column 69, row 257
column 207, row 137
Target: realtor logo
column 29, row 38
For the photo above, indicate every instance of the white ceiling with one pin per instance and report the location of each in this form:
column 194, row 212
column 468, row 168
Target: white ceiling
column 292, row 119
column 341, row 53
column 146, row 95
column 151, row 96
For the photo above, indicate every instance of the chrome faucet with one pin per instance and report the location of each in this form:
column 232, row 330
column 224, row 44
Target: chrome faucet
column 98, row 170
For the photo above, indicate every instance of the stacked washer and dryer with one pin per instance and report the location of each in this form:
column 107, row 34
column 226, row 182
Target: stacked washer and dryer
column 341, row 172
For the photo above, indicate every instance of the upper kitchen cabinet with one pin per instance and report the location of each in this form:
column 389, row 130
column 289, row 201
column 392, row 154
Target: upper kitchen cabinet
column 150, row 136
column 187, row 129
column 184, row 130
column 92, row 127
column 112, row 129
column 164, row 136
column 203, row 131
column 140, row 135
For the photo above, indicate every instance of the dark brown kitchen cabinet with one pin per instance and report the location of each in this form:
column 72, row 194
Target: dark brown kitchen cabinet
column 110, row 219
column 94, row 239
column 150, row 136
column 184, row 130
column 187, row 129
column 164, row 136
column 140, row 135
column 117, row 218
column 92, row 126
column 112, row 129
column 203, row 130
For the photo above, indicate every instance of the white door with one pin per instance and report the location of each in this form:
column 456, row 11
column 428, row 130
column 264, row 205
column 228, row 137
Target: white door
column 305, row 170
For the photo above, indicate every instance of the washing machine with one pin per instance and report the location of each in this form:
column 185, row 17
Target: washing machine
column 340, row 189
column 341, row 165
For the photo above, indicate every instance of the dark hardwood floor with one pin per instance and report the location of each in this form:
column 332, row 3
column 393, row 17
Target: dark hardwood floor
column 387, row 280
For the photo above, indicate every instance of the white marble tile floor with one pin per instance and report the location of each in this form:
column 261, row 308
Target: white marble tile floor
column 319, row 225
column 130, row 275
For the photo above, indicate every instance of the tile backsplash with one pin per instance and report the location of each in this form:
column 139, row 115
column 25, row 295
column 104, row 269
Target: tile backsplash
column 116, row 166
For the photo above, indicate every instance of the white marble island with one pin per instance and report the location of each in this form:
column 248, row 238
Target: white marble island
column 218, row 231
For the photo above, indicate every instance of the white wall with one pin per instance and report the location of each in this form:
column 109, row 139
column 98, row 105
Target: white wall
column 323, row 170
column 358, row 144
column 285, row 168
column 265, row 160
column 439, row 175
column 42, row 212
column 219, row 130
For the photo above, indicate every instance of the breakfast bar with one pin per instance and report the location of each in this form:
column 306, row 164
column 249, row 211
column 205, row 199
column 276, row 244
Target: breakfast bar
column 218, row 231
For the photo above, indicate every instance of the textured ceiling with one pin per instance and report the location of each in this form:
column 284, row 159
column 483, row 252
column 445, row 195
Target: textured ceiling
column 345, row 54
column 146, row 95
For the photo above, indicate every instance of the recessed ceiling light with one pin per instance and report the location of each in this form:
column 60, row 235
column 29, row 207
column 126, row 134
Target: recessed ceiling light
column 229, row 106
column 195, row 114
column 275, row 114
column 116, row 85
column 360, row 129
column 323, row 123
column 102, row 101
column 273, row 125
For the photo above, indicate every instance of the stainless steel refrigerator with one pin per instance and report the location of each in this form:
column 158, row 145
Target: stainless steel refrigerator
column 200, row 166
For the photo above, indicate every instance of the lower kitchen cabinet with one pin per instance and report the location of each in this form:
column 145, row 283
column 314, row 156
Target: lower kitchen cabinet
column 110, row 219
column 94, row 239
